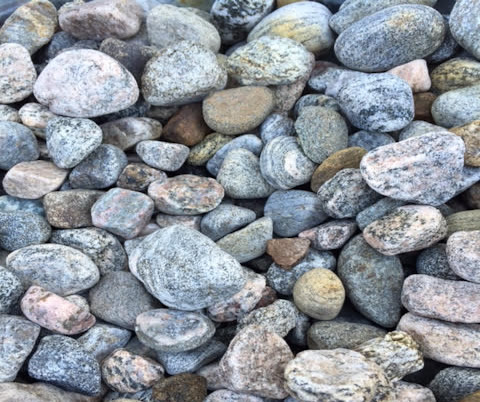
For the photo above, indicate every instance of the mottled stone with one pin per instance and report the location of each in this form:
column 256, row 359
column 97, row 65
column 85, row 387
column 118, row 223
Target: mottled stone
column 419, row 127
column 9, row 113
column 276, row 125
column 18, row 337
column 377, row 102
column 20, row 229
column 415, row 73
column 11, row 290
column 103, row 339
column 445, row 342
column 373, row 281
column 405, row 229
column 138, row 176
column 410, row 31
column 119, row 298
column 225, row 219
column 254, row 363
column 470, row 134
column 14, row 204
column 287, row 95
column 181, row 387
column 168, row 25
column 201, row 153
column 203, row 273
column 410, row 392
column 315, row 100
column 35, row 116
column 270, row 60
column 464, row 221
column 333, row 375
column 71, row 208
column 127, row 132
column 287, row 252
column 89, row 20
column 369, row 140
column 430, row 180
column 433, row 261
column 463, row 253
column 186, row 126
column 224, row 395
column 124, row 371
column 162, row 155
column 455, row 383
column 455, row 74
column 183, row 73
column 464, row 24
column 85, row 83
column 100, row 169
column 457, row 107
column 62, row 361
column 331, row 235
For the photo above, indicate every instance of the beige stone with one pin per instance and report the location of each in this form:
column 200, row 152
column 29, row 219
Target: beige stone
column 470, row 134
column 415, row 73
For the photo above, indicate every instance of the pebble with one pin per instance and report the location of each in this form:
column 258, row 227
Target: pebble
column 40, row 390
column 127, row 132
column 407, row 391
column 164, row 220
column 411, row 31
column 17, row 73
column 201, row 153
column 284, row 165
column 61, row 360
column 69, row 141
column 407, row 228
column 119, row 298
column 417, row 128
column 377, row 102
column 338, row 334
column 433, row 262
column 204, row 273
column 8, row 113
column 415, row 73
column 464, row 221
column 18, row 337
column 346, row 194
column 186, row 195
column 183, row 73
column 11, row 290
column 270, row 60
column 430, row 180
column 54, row 312
column 14, row 204
column 339, row 374
column 457, row 108
column 186, row 126
column 168, row 25
column 224, row 395
column 369, row 140
column 470, row 134
column 373, row 281
column 100, row 169
column 124, row 371
column 288, row 252
column 20, row 229
column 463, row 254
column 306, row 23
column 100, row 85
column 162, row 155
column 455, row 383
column 331, row 235
column 250, row 242
column 276, row 125
column 191, row 360
column 182, row 387
column 225, row 219
column 455, row 74
column 235, row 19
column 35, row 116
column 70, row 209
column 445, row 342
column 138, row 176
column 315, row 100
column 58, row 269
column 103, row 339
column 463, row 24
column 255, row 361
column 31, row 25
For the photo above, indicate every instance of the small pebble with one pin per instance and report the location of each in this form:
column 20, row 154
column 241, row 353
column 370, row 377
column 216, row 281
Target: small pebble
column 127, row 132
column 164, row 220
column 463, row 254
column 181, row 387
column 287, row 252
column 201, row 153
column 8, row 113
column 457, row 108
column 11, row 290
column 138, row 176
column 331, row 235
column 470, row 134
column 415, row 73
column 162, row 155
column 186, row 126
column 455, row 74
column 224, row 395
column 407, row 391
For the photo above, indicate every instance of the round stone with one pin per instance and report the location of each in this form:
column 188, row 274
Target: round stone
column 127, row 132
column 18, row 144
column 21, row 228
column 225, row 219
column 173, row 330
column 411, row 32
column 470, row 134
column 11, row 290
column 85, row 83
column 377, row 211
column 463, row 253
column 168, row 25
column 413, row 392
column 186, row 195
column 183, row 73
column 17, row 73
column 238, row 110
column 464, row 24
column 433, row 261
column 455, row 74
column 162, row 155
column 35, row 116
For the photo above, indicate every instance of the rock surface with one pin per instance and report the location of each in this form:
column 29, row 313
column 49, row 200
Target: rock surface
column 463, row 254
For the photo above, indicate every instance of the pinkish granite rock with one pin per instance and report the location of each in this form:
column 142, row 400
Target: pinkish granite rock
column 186, row 195
column 410, row 392
column 101, row 19
column 254, row 363
column 454, row 301
column 17, row 73
column 445, row 342
column 405, row 229
column 331, row 235
column 124, row 371
column 463, row 253
column 85, row 83
column 122, row 212
column 415, row 73
column 55, row 312
column 32, row 180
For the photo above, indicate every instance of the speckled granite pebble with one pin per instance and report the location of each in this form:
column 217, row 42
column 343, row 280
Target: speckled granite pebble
column 11, row 290
column 463, row 254
column 455, row 74
column 470, row 134
column 14, row 204
column 162, row 155
column 455, row 383
column 201, row 153
column 225, row 219
column 433, row 261
column 464, row 24
column 457, row 107
column 18, row 144
column 9, row 113
column 20, row 229
column 224, row 395
column 331, row 235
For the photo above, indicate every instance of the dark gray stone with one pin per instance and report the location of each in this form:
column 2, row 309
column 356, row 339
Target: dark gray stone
column 377, row 211
column 433, row 261
column 18, row 144
column 455, row 383
column 20, row 229
column 315, row 100
column 369, row 140
column 417, row 128
column 60, row 41
column 276, row 125
column 11, row 290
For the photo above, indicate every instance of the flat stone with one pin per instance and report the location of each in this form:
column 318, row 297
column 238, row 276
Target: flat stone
column 433, row 261
column 186, row 387
column 31, row 25
column 124, row 371
column 11, row 290
column 369, row 140
column 186, row 126
column 373, row 281
column 32, row 180
column 455, row 74
column 287, row 252
column 430, row 180
column 417, row 128
column 225, row 219
column 71, row 208
column 164, row 220
column 183, row 73
column 331, row 235
column 119, row 298
column 415, row 73
column 463, row 254
column 255, row 361
column 62, row 361
column 127, row 132
column 457, row 108
column 470, row 134
column 18, row 337
column 411, row 31
column 456, row 384
column 445, row 342
column 203, row 273
column 162, row 155
column 463, row 25
column 89, row 20
column 20, row 229
column 405, row 229
column 270, row 60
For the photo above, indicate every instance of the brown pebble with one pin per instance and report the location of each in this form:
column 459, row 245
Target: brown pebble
column 187, row 126
column 183, row 387
column 287, row 252
column 470, row 134
column 423, row 106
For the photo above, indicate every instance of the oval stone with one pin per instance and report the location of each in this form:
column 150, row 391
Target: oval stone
column 457, row 107
column 85, row 83
column 464, row 25
column 409, row 32
column 455, row 74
